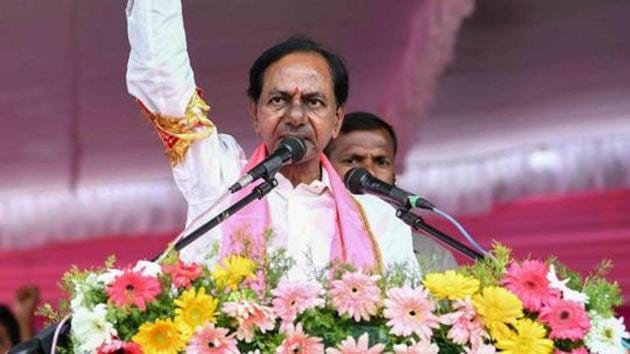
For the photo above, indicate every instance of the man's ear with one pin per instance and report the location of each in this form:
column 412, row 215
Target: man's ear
column 339, row 114
column 253, row 114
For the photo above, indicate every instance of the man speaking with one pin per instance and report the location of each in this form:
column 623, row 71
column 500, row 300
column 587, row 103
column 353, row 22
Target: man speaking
column 297, row 88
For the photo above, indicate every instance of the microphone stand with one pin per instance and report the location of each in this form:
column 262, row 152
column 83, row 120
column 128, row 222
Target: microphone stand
column 417, row 223
column 42, row 343
column 258, row 192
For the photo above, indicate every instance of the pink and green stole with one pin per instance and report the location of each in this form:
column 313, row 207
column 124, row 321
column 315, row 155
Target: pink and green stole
column 352, row 243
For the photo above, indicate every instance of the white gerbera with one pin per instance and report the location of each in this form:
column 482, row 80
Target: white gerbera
column 77, row 301
column 605, row 335
column 148, row 269
column 91, row 328
column 109, row 276
column 91, row 280
column 567, row 293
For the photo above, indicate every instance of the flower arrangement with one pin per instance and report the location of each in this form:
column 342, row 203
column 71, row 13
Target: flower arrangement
column 236, row 306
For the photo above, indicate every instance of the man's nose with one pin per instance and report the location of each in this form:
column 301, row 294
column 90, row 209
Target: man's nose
column 368, row 165
column 296, row 112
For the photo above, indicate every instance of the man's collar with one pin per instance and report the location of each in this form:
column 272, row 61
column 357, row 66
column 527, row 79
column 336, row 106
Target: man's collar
column 316, row 187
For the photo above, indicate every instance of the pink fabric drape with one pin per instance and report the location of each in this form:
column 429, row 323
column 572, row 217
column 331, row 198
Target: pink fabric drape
column 432, row 36
column 352, row 242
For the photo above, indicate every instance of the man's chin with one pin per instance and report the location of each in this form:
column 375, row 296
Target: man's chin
column 310, row 156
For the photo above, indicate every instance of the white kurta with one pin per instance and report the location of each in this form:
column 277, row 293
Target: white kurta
column 303, row 218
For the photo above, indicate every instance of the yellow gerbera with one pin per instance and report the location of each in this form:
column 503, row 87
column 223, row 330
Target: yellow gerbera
column 160, row 336
column 530, row 338
column 232, row 271
column 194, row 308
column 450, row 285
column 497, row 307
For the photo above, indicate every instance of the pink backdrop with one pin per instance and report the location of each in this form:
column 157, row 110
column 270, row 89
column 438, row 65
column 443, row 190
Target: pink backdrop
column 79, row 160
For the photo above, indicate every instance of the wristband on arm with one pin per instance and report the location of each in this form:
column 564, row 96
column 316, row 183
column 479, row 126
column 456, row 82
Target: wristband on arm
column 178, row 133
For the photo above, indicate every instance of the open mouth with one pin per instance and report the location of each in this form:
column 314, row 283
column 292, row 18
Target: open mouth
column 307, row 140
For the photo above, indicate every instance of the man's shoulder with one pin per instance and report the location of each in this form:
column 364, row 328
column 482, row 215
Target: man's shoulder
column 373, row 202
column 379, row 212
column 230, row 143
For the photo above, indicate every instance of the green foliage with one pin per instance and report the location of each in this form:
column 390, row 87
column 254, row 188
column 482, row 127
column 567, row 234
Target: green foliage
column 563, row 272
column 52, row 315
column 603, row 295
column 377, row 333
column 566, row 345
column 277, row 266
column 399, row 275
column 171, row 256
column 490, row 270
column 109, row 262
column 602, row 269
column 72, row 281
column 325, row 324
column 266, row 343
column 335, row 267
column 446, row 345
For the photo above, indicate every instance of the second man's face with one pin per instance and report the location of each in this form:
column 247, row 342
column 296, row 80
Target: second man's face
column 297, row 99
column 370, row 149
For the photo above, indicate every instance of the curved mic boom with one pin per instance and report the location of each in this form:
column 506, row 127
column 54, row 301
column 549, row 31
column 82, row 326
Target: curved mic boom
column 359, row 181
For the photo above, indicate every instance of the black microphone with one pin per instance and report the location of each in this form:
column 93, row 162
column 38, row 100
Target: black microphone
column 291, row 150
column 359, row 181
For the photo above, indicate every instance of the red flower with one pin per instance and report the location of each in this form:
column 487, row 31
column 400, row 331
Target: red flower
column 119, row 347
column 183, row 274
column 133, row 288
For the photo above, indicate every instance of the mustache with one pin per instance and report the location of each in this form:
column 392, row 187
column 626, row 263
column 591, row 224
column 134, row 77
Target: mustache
column 304, row 132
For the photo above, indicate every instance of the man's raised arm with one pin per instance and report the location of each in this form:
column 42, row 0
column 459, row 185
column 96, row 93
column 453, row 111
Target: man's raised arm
column 158, row 71
column 160, row 77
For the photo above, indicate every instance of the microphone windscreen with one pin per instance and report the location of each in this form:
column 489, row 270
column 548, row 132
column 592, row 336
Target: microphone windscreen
column 296, row 146
column 354, row 179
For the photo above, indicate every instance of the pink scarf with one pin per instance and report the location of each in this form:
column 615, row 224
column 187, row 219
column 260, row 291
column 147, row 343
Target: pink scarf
column 352, row 243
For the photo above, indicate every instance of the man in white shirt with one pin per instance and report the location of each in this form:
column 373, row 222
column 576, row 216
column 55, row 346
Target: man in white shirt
column 297, row 88
column 366, row 140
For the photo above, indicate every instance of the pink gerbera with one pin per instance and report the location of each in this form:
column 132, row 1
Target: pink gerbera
column 567, row 319
column 466, row 325
column 249, row 316
column 356, row 295
column 212, row 340
column 350, row 346
column 297, row 342
column 421, row 347
column 410, row 311
column 293, row 298
column 133, row 288
column 257, row 283
column 529, row 282
column 117, row 346
column 183, row 274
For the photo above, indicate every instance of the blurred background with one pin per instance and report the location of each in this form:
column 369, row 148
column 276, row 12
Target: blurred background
column 512, row 115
